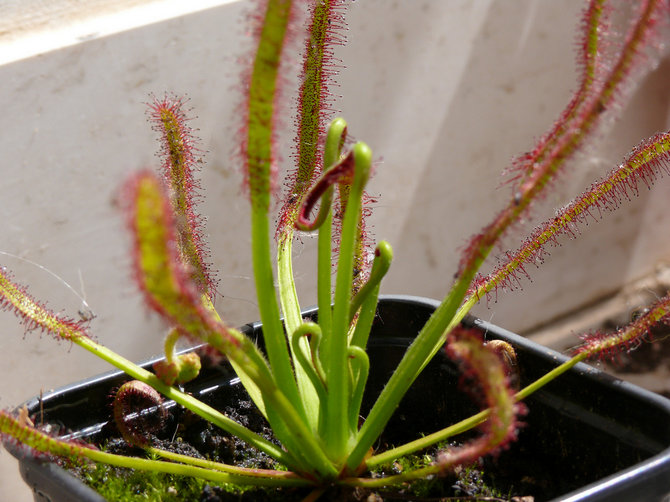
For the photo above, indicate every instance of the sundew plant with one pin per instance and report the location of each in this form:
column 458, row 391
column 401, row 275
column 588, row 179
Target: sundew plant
column 309, row 380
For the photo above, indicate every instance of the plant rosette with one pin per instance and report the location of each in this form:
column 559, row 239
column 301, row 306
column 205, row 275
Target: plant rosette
column 587, row 427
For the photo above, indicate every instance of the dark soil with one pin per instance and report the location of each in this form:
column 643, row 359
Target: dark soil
column 188, row 434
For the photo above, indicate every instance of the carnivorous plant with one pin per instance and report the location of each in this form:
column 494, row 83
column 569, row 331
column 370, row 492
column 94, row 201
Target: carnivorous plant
column 309, row 380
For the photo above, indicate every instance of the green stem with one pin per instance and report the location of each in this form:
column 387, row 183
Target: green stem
column 273, row 331
column 335, row 362
column 548, row 377
column 368, row 309
column 469, row 423
column 170, row 345
column 336, row 134
column 309, row 328
column 324, row 270
column 360, row 371
column 287, row 419
column 429, row 440
column 218, row 466
column 380, row 266
column 288, row 296
column 259, row 158
column 290, row 306
column 304, row 454
column 417, row 356
column 188, row 470
column 186, row 400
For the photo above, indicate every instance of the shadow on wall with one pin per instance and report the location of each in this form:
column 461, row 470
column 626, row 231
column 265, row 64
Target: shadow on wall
column 519, row 74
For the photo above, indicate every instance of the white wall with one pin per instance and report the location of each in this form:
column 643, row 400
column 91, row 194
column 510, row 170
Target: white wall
column 444, row 92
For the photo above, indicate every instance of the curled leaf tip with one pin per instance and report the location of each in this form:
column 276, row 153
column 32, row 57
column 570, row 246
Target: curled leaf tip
column 138, row 412
column 326, row 21
column 381, row 263
column 340, row 173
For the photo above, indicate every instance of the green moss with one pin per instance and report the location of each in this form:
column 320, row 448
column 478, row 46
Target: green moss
column 125, row 485
column 469, row 481
column 119, row 484
column 128, row 485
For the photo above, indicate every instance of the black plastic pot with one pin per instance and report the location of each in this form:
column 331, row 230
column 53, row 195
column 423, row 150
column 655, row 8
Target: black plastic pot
column 588, row 436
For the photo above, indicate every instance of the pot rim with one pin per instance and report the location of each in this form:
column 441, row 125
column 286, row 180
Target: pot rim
column 636, row 477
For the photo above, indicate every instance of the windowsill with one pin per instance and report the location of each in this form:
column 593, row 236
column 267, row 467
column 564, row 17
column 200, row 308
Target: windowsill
column 32, row 27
